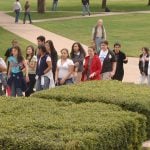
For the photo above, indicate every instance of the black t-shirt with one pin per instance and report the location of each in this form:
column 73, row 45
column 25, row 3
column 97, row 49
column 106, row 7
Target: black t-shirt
column 120, row 60
column 108, row 61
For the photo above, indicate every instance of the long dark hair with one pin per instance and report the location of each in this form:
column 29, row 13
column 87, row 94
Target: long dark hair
column 33, row 51
column 19, row 57
column 146, row 49
column 51, row 45
column 81, row 50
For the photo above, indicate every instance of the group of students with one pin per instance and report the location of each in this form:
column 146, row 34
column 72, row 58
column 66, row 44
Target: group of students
column 41, row 69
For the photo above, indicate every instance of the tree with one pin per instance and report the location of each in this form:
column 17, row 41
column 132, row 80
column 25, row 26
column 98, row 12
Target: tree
column 149, row 2
column 104, row 3
column 41, row 6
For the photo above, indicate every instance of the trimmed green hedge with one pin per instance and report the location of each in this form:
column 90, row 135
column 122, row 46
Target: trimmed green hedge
column 36, row 124
column 131, row 97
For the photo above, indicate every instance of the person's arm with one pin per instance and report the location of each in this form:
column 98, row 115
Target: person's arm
column 20, row 6
column 98, row 68
column 114, row 64
column 70, row 71
column 104, row 34
column 26, row 70
column 125, row 59
column 56, row 75
column 49, row 63
column 2, row 68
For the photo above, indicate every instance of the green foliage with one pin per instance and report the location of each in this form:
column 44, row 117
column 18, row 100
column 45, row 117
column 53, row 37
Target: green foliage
column 37, row 124
column 131, row 97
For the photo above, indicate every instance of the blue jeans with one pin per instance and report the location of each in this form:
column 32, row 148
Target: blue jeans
column 85, row 8
column 17, row 15
column 54, row 7
column 40, row 87
column 15, row 91
column 98, row 41
column 25, row 15
column 67, row 82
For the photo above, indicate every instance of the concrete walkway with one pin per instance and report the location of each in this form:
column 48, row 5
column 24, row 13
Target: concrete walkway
column 31, row 32
column 92, row 15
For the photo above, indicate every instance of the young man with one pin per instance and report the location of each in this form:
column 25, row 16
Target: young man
column 85, row 7
column 108, row 61
column 40, row 41
column 121, row 59
column 17, row 8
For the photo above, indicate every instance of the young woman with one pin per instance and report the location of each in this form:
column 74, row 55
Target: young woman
column 27, row 12
column 16, row 79
column 92, row 66
column 44, row 76
column 51, row 51
column 77, row 55
column 31, row 60
column 65, row 67
column 143, row 64
column 98, row 34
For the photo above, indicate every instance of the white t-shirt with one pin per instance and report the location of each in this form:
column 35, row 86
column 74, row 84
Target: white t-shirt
column 2, row 63
column 64, row 68
column 103, row 55
column 17, row 6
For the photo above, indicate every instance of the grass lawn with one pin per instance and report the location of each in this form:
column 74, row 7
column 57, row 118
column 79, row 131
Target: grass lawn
column 75, row 5
column 7, row 37
column 132, row 30
column 47, row 15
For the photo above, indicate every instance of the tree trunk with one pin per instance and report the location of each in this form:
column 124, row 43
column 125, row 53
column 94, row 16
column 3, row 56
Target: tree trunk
column 104, row 3
column 41, row 6
column 148, row 2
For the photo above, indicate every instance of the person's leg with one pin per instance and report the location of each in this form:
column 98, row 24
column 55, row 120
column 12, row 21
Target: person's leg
column 38, row 86
column 17, row 15
column 13, row 90
column 88, row 9
column 142, row 79
column 98, row 42
column 106, row 76
column 53, row 6
column 30, row 85
column 29, row 18
column 25, row 15
column 83, row 10
column 1, row 91
column 19, row 92
column 46, row 83
column 148, row 79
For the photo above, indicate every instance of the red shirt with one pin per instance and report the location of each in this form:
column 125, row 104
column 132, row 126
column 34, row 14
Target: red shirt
column 95, row 67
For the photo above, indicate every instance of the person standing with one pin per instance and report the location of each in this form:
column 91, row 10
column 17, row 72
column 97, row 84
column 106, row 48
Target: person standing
column 17, row 8
column 51, row 51
column 92, row 66
column 16, row 79
column 86, row 7
column 54, row 5
column 108, row 60
column 143, row 64
column 65, row 68
column 98, row 34
column 121, row 59
column 31, row 60
column 44, row 76
column 27, row 12
column 77, row 55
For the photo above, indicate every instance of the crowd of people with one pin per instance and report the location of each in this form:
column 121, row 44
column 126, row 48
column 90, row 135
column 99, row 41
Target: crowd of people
column 42, row 68
column 17, row 8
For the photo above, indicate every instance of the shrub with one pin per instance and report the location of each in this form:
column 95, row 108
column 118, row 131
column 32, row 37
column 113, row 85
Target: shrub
column 131, row 97
column 36, row 124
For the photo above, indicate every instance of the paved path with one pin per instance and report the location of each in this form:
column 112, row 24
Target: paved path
column 30, row 32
